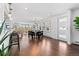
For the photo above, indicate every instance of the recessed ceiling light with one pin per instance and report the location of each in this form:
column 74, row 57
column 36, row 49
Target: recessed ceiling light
column 26, row 8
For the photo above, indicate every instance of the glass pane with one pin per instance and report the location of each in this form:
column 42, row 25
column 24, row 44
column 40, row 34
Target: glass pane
column 63, row 28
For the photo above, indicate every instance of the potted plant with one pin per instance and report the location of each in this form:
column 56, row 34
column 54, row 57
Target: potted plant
column 2, row 49
column 76, row 22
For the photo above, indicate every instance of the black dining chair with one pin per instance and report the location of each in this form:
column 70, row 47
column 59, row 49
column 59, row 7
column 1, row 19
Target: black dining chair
column 39, row 34
column 32, row 34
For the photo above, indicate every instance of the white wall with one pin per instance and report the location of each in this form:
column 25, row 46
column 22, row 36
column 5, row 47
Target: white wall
column 75, row 32
column 53, row 30
column 53, row 33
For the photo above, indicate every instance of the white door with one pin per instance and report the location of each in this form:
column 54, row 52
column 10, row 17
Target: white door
column 62, row 28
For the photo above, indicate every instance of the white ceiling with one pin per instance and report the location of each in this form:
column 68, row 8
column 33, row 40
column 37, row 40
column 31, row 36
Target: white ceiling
column 40, row 10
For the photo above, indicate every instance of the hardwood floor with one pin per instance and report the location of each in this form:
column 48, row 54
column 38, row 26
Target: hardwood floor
column 44, row 47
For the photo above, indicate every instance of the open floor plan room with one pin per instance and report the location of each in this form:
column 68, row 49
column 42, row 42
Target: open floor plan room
column 39, row 29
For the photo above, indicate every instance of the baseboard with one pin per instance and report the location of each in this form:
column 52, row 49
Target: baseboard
column 56, row 39
column 50, row 37
column 76, row 42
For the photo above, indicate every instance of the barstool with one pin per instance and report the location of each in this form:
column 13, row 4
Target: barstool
column 14, row 39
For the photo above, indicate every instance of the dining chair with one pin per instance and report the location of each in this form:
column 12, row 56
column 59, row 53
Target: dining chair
column 39, row 34
column 32, row 34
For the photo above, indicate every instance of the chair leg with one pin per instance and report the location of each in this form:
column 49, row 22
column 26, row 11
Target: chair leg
column 9, row 48
column 18, row 42
column 38, row 37
column 18, row 45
